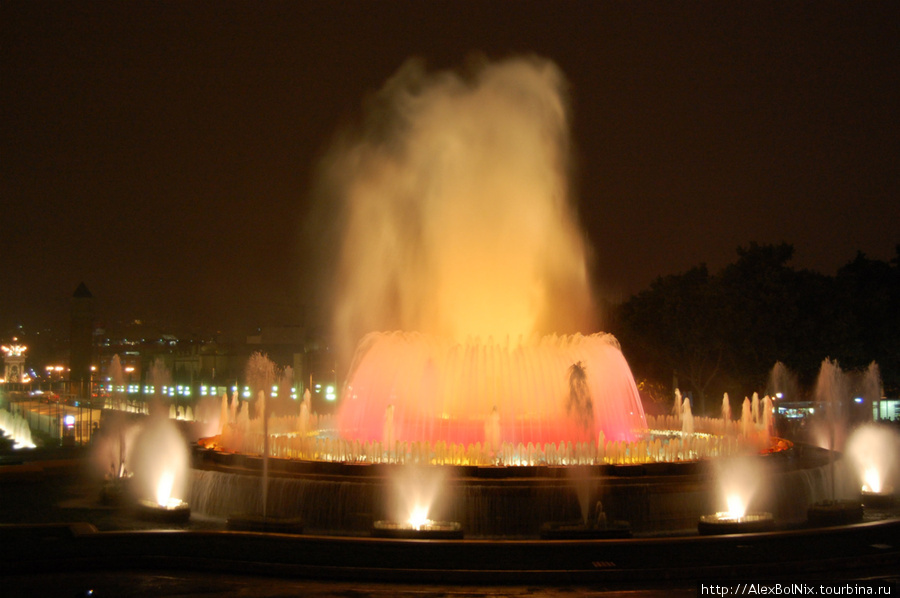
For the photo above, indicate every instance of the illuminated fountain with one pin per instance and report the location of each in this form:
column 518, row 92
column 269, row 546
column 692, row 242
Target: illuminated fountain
column 416, row 499
column 873, row 450
column 464, row 317
column 160, row 463
column 461, row 240
column 559, row 388
column 739, row 481
column 16, row 428
column 110, row 456
column 843, row 505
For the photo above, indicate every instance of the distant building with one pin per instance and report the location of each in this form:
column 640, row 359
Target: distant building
column 309, row 356
column 81, row 350
column 14, row 363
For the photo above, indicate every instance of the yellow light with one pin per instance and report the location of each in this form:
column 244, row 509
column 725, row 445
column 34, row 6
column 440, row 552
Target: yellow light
column 736, row 506
column 164, row 490
column 871, row 480
column 418, row 517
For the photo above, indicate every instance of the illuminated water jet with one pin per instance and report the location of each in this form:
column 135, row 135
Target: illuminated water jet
column 434, row 390
column 873, row 451
column 160, row 464
column 16, row 428
column 739, row 480
column 459, row 232
column 461, row 311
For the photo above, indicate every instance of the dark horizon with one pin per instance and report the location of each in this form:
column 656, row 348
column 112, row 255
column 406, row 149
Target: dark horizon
column 165, row 153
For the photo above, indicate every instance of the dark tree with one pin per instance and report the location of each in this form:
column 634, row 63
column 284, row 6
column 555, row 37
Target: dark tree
column 725, row 332
column 678, row 324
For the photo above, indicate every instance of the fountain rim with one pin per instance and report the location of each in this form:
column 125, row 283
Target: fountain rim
column 204, row 458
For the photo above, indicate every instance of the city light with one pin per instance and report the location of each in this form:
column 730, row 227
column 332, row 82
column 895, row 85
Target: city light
column 14, row 350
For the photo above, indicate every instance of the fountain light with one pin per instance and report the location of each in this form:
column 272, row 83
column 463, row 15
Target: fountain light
column 167, row 507
column 164, row 489
column 726, row 523
column 874, row 492
column 418, row 529
column 417, row 493
column 872, row 450
column 737, row 507
column 738, row 480
column 159, row 460
column 871, row 480
column 419, row 517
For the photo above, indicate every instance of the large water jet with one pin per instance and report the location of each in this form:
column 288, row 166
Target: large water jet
column 459, row 229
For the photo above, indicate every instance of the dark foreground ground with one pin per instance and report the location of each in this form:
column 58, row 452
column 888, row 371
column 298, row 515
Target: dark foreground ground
column 108, row 552
column 142, row 584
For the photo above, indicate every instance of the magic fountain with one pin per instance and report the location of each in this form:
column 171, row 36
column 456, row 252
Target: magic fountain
column 461, row 306
column 145, row 465
column 476, row 399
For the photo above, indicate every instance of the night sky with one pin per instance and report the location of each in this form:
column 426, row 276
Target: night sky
column 164, row 153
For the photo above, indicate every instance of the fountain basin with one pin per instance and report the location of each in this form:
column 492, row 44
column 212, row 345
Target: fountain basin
column 725, row 523
column 577, row 530
column 430, row 530
column 175, row 511
column 270, row 525
column 878, row 500
column 835, row 512
column 116, row 492
column 495, row 502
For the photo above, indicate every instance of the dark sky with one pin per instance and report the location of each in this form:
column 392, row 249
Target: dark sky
column 163, row 152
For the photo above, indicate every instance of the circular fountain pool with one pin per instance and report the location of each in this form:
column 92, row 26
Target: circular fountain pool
column 497, row 501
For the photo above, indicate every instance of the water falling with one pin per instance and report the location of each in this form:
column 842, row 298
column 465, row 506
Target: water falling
column 869, row 387
column 116, row 376
column 440, row 390
column 833, row 391
column 874, row 451
column 460, row 231
column 783, row 383
column 16, row 428
column 159, row 378
column 159, row 460
column 687, row 418
column 260, row 375
column 726, row 413
column 458, row 216
column 746, row 419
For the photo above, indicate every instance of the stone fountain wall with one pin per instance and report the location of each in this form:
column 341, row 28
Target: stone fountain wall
column 505, row 501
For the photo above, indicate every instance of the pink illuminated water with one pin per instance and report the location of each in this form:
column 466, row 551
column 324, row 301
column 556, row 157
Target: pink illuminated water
column 439, row 390
column 459, row 228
